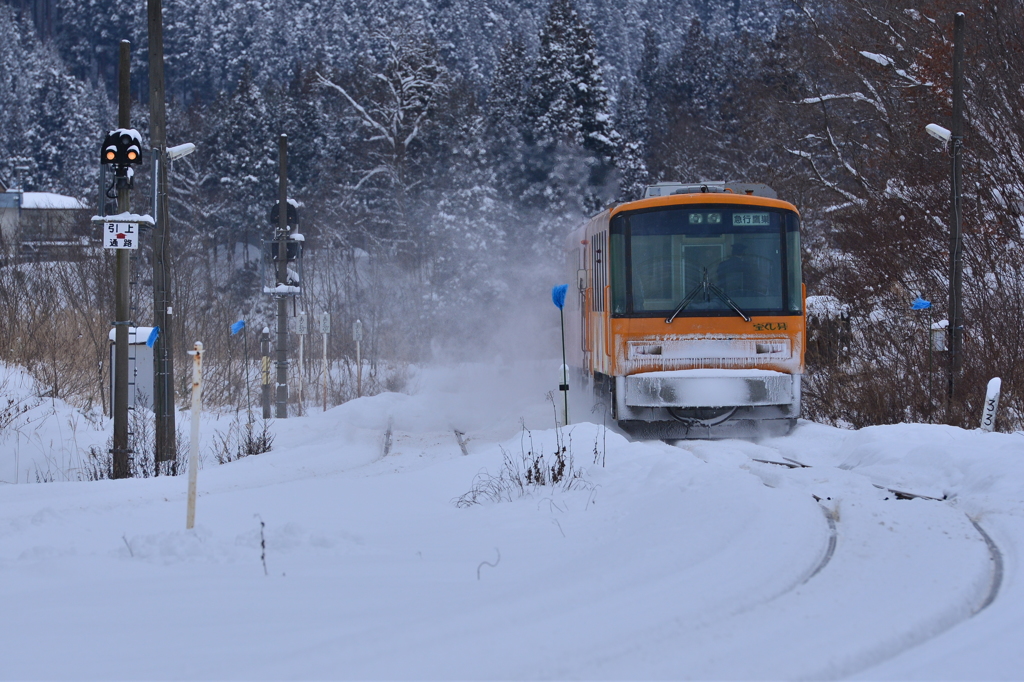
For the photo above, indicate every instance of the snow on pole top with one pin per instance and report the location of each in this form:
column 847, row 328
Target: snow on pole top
column 130, row 132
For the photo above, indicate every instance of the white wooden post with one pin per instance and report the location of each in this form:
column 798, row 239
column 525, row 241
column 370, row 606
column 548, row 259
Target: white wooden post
column 302, row 327
column 325, row 329
column 357, row 334
column 988, row 415
column 193, row 450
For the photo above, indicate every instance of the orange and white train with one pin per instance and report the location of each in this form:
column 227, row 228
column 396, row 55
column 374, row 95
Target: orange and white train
column 687, row 319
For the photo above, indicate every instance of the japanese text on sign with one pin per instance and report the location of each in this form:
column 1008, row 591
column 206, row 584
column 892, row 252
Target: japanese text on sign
column 120, row 235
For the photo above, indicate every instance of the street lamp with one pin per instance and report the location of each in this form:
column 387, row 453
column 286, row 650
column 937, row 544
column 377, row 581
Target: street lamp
column 938, row 132
column 180, row 150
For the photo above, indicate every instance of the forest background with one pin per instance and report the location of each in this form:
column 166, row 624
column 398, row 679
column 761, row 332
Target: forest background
column 441, row 150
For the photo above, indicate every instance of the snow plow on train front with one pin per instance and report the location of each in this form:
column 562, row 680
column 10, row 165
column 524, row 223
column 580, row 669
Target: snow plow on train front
column 687, row 316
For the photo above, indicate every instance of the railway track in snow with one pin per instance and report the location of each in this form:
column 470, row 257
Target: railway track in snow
column 983, row 591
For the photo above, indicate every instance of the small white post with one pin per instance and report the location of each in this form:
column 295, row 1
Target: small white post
column 302, row 327
column 357, row 334
column 988, row 415
column 193, row 450
column 325, row 329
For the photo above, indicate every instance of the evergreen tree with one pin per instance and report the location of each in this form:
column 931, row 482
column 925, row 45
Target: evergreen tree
column 634, row 121
column 396, row 111
column 468, row 240
column 238, row 166
column 572, row 142
column 49, row 120
column 506, row 117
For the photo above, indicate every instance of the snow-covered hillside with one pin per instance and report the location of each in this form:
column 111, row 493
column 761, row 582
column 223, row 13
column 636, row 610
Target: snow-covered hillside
column 788, row 558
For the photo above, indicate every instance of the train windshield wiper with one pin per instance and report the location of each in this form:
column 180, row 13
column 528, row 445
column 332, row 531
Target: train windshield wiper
column 706, row 286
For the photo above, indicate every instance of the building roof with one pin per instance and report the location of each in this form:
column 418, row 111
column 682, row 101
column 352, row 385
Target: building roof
column 49, row 200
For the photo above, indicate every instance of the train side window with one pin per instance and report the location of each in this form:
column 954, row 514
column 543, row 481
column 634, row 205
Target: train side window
column 617, row 256
column 794, row 276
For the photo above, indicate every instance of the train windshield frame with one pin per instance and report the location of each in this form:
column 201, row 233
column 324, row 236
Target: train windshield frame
column 661, row 255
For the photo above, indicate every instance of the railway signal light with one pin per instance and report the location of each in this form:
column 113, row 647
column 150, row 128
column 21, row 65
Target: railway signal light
column 121, row 148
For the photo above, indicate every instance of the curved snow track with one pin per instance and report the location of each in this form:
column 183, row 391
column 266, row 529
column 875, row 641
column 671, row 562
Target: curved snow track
column 936, row 564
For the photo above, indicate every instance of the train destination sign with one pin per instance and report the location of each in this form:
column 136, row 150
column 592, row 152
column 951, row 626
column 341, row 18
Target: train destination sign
column 120, row 235
column 751, row 219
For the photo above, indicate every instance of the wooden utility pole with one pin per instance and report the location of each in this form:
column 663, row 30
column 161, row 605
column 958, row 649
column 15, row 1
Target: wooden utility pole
column 956, row 242
column 282, row 279
column 163, row 349
column 122, row 302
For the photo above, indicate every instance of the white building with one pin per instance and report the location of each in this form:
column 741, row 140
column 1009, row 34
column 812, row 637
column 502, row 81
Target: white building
column 42, row 223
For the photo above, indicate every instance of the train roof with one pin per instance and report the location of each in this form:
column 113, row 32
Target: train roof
column 675, row 193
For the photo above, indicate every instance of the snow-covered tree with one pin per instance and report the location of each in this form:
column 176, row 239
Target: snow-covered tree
column 571, row 140
column 394, row 108
column 633, row 121
column 49, row 120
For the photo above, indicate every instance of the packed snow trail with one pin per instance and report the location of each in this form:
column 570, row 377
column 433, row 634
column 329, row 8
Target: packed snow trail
column 675, row 562
column 929, row 560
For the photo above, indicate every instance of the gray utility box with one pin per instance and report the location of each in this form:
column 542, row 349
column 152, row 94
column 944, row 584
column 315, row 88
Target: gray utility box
column 140, row 368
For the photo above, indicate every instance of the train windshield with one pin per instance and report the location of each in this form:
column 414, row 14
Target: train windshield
column 749, row 253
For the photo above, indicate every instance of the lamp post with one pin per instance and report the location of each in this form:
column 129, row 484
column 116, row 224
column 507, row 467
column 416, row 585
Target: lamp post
column 954, row 140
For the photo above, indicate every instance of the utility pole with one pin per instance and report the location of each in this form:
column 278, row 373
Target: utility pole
column 122, row 311
column 163, row 349
column 282, row 279
column 956, row 242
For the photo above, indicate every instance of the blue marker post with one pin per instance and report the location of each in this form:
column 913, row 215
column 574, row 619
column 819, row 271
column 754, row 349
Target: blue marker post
column 920, row 304
column 235, row 328
column 558, row 298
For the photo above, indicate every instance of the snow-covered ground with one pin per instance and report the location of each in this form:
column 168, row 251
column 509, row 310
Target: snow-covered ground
column 773, row 560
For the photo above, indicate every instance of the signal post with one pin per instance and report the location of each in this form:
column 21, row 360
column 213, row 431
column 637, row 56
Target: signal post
column 122, row 149
column 282, row 280
column 282, row 252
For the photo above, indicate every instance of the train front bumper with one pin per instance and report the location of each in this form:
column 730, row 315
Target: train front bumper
column 750, row 402
column 691, row 388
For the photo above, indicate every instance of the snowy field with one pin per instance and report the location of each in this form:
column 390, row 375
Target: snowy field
column 788, row 558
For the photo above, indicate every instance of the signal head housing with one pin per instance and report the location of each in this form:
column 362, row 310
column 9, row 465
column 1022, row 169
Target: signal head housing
column 122, row 148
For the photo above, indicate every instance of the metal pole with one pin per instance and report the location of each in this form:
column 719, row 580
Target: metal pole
column 163, row 349
column 265, row 371
column 302, row 338
column 193, row 448
column 122, row 310
column 323, row 333
column 564, row 387
column 956, row 245
column 928, row 340
column 282, row 278
column 248, row 391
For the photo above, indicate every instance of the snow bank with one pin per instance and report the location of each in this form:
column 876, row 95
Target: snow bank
column 328, row 558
